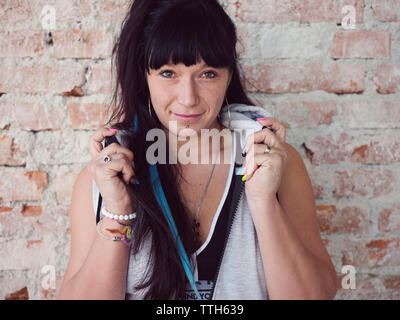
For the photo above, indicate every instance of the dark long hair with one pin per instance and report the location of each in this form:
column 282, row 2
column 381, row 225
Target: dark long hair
column 153, row 32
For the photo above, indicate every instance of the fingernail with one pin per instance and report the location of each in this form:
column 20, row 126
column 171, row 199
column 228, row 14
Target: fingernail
column 239, row 170
column 136, row 181
column 128, row 182
column 112, row 129
column 261, row 119
column 244, row 177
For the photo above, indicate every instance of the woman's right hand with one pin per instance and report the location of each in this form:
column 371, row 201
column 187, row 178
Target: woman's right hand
column 112, row 188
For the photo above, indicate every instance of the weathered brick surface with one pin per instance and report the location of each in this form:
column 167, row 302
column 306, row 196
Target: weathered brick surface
column 337, row 90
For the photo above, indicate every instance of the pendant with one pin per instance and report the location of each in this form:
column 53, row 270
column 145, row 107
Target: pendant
column 196, row 226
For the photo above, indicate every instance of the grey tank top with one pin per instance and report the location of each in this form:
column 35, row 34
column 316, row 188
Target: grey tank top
column 241, row 275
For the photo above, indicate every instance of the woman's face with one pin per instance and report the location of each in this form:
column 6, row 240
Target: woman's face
column 177, row 91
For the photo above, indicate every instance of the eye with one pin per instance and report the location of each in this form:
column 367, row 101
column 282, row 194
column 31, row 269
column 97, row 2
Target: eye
column 166, row 72
column 211, row 73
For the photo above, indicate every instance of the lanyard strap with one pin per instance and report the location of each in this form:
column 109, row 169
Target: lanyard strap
column 162, row 201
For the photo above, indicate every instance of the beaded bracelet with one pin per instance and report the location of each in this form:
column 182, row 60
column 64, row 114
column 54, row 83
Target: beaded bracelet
column 118, row 216
column 120, row 223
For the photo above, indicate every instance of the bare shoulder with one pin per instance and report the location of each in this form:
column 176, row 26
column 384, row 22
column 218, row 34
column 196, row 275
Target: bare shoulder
column 82, row 222
column 296, row 197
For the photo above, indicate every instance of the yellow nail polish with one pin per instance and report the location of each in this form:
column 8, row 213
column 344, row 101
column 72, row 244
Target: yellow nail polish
column 244, row 177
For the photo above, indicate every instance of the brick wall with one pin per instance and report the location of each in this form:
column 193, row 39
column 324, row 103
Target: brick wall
column 336, row 88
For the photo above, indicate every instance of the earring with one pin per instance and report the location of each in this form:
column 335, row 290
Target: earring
column 150, row 110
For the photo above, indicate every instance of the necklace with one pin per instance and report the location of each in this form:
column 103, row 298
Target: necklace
column 196, row 223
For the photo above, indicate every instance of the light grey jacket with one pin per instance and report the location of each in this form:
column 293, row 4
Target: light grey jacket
column 241, row 275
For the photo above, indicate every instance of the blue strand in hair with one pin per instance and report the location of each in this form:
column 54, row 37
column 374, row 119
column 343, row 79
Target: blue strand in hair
column 162, row 201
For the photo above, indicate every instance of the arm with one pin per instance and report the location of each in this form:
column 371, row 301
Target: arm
column 296, row 263
column 97, row 267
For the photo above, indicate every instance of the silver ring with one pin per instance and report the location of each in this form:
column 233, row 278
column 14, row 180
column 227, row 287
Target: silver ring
column 268, row 150
column 107, row 158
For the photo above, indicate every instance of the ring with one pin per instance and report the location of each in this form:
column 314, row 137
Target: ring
column 268, row 150
column 270, row 128
column 106, row 158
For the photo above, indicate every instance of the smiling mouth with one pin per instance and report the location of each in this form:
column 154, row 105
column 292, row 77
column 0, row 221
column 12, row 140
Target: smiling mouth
column 187, row 116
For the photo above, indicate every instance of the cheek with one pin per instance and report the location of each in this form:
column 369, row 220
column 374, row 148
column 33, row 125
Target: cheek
column 215, row 96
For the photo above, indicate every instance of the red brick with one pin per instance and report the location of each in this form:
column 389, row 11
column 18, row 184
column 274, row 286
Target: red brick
column 381, row 149
column 386, row 10
column 28, row 115
column 389, row 220
column 364, row 182
column 31, row 211
column 10, row 153
column 349, row 220
column 307, row 114
column 83, row 44
column 329, row 149
column 22, row 294
column 391, row 282
column 87, row 116
column 295, row 10
column 361, row 44
column 42, row 78
column 371, row 114
column 294, row 78
column 21, row 186
column 369, row 287
column 21, row 43
column 372, row 253
column 387, row 79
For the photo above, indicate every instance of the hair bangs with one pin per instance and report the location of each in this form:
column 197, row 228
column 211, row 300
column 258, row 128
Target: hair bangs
column 187, row 35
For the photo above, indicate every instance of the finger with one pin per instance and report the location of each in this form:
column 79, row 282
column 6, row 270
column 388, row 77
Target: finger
column 120, row 163
column 261, row 159
column 96, row 139
column 116, row 148
column 263, row 136
column 278, row 127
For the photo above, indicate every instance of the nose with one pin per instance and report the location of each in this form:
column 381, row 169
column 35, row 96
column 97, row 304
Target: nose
column 188, row 93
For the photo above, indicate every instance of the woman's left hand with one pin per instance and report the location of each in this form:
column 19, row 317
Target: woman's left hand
column 263, row 170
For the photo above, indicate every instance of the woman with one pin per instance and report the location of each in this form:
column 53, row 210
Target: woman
column 194, row 231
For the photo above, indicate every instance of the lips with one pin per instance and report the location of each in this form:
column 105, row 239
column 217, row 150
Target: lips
column 187, row 116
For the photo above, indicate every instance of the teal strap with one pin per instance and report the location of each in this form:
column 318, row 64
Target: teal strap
column 162, row 201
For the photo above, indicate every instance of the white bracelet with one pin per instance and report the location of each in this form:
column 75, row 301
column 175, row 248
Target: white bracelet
column 122, row 217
